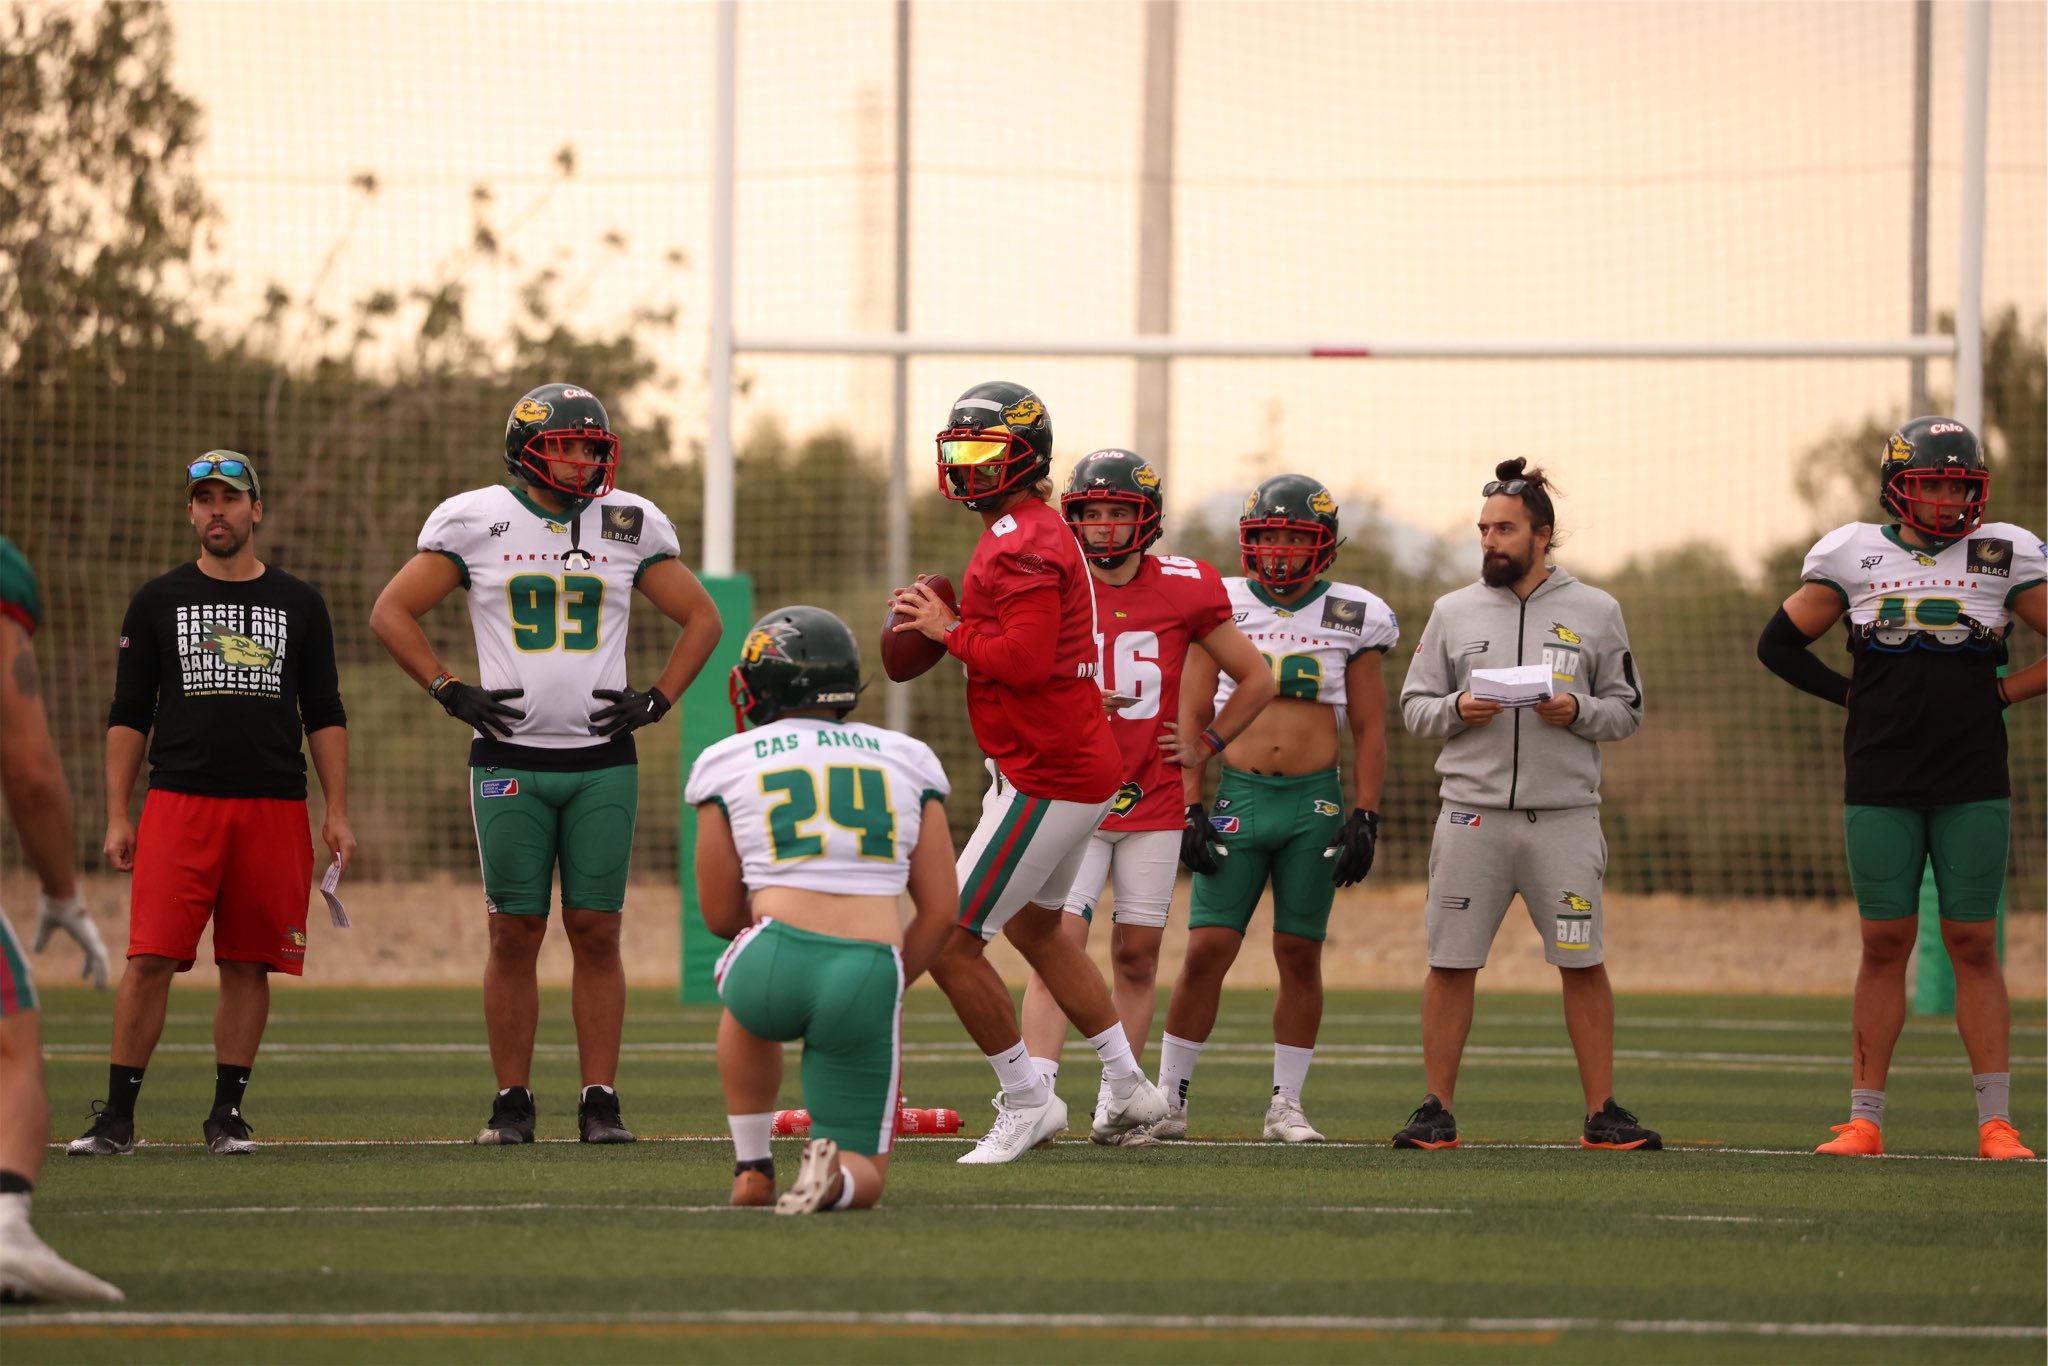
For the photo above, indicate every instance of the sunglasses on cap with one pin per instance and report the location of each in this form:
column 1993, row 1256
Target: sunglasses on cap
column 207, row 469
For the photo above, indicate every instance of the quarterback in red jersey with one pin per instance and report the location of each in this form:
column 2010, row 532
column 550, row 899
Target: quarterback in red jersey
column 1148, row 610
column 1026, row 636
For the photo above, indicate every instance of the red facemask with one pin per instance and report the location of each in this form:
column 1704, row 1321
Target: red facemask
column 1952, row 518
column 594, row 476
column 1275, row 566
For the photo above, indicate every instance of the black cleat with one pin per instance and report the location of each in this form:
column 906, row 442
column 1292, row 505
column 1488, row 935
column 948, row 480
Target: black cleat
column 597, row 1117
column 1431, row 1126
column 227, row 1132
column 511, row 1119
column 111, row 1135
column 1615, row 1127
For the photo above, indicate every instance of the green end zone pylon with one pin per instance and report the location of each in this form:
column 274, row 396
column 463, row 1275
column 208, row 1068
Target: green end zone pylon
column 707, row 718
column 1934, row 979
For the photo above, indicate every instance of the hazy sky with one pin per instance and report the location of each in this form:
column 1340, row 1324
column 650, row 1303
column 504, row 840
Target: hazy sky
column 1343, row 171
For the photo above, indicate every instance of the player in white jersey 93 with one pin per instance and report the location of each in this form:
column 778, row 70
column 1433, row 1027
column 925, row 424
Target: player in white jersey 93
column 809, row 827
column 550, row 563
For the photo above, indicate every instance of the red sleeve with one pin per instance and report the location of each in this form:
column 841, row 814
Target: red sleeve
column 1207, row 602
column 1020, row 652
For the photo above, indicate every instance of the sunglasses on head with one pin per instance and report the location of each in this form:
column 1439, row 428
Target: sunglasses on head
column 1511, row 487
column 206, row 469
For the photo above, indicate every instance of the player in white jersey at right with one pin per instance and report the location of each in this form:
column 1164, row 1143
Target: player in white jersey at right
column 1278, row 813
column 1930, row 599
column 809, row 826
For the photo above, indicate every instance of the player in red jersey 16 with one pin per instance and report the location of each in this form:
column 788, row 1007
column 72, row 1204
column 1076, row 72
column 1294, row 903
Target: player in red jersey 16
column 1148, row 610
column 1026, row 634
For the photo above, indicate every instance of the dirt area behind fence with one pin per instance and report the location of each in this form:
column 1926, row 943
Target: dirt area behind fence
column 433, row 932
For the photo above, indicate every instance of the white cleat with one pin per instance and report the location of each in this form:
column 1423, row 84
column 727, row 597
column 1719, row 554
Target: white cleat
column 1018, row 1129
column 30, row 1271
column 1173, row 1128
column 1286, row 1122
column 817, row 1179
column 1144, row 1105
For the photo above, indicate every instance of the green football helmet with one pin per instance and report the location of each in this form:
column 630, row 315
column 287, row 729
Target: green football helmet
column 1126, row 479
column 561, row 436
column 1288, row 502
column 794, row 659
column 1925, row 451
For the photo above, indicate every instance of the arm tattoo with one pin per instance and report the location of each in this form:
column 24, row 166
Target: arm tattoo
column 26, row 681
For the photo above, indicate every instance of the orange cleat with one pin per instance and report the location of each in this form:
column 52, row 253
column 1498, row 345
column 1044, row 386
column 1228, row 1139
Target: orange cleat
column 752, row 1187
column 1859, row 1138
column 1999, row 1141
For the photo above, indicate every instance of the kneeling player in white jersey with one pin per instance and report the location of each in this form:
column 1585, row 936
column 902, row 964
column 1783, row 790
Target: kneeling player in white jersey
column 1278, row 814
column 808, row 829
column 550, row 562
column 1148, row 610
column 1930, row 601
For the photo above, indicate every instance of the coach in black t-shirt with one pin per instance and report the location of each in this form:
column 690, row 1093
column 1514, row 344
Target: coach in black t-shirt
column 224, row 659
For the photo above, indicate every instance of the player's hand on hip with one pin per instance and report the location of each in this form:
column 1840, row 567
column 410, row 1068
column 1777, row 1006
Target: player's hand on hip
column 629, row 710
column 921, row 611
column 1198, row 850
column 340, row 839
column 1561, row 710
column 484, row 709
column 70, row 916
column 1182, row 753
column 119, row 845
column 1475, row 713
column 1356, row 844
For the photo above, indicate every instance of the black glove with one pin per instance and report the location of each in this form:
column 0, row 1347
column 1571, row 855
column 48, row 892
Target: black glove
column 629, row 710
column 1197, row 850
column 483, row 708
column 1355, row 846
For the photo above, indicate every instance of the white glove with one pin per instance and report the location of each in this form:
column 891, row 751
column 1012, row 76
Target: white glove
column 71, row 917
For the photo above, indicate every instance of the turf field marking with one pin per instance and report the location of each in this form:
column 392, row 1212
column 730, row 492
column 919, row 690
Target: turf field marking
column 1225, row 1054
column 1729, row 1219
column 529, row 1207
column 1471, row 1145
column 1111, row 1323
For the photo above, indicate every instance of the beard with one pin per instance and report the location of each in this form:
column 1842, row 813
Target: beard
column 225, row 547
column 1501, row 571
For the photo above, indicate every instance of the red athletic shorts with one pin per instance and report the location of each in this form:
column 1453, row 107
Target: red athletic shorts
column 246, row 863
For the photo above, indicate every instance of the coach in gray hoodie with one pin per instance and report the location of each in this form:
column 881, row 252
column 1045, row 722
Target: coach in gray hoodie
column 1521, row 795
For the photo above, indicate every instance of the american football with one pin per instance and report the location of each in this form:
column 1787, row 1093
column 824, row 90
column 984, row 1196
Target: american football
column 906, row 654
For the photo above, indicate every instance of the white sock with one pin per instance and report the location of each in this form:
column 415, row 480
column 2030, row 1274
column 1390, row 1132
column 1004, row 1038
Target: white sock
column 1177, row 1058
column 845, row 1188
column 14, row 1208
column 750, row 1136
column 1049, row 1068
column 1119, row 1067
column 1290, row 1069
column 1018, row 1077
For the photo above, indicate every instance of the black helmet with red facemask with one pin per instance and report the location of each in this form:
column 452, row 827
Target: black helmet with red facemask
column 1917, row 457
column 1126, row 480
column 998, row 439
column 1287, row 502
column 560, row 436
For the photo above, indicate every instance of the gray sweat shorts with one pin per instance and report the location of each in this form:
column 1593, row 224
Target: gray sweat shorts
column 1481, row 858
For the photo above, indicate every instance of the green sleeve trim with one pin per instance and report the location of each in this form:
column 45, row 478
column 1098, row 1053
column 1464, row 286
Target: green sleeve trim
column 718, row 802
column 931, row 794
column 650, row 561
column 1371, row 650
column 2020, row 588
column 461, row 567
column 1830, row 583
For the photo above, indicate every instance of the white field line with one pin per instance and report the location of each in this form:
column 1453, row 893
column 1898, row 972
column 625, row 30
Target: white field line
column 1471, row 1145
column 1248, row 1323
column 1727, row 1219
column 529, row 1207
column 1352, row 1055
